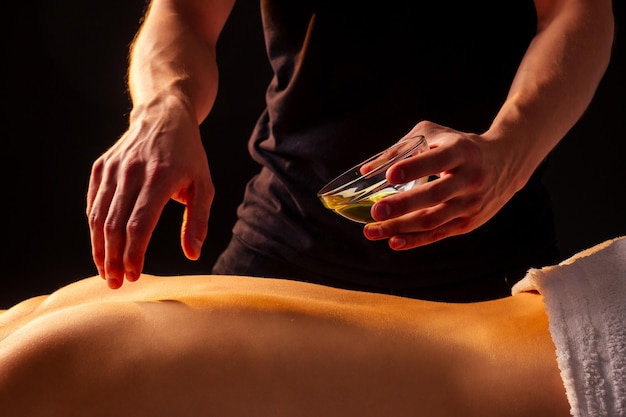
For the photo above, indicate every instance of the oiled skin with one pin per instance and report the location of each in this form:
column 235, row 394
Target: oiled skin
column 239, row 346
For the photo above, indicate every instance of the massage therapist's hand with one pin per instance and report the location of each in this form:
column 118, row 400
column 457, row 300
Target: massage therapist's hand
column 474, row 182
column 554, row 84
column 159, row 157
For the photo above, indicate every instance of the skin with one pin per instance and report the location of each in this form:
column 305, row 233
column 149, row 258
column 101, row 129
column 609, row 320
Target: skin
column 173, row 80
column 232, row 346
column 479, row 173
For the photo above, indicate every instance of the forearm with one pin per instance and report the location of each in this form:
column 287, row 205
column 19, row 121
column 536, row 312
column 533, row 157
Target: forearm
column 555, row 82
column 173, row 55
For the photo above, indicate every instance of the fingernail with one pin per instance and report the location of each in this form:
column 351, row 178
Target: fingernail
column 113, row 283
column 399, row 176
column 197, row 246
column 373, row 231
column 194, row 249
column 132, row 276
column 382, row 211
column 397, row 242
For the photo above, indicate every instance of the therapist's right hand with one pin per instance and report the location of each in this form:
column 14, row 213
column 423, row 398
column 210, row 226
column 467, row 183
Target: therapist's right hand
column 160, row 157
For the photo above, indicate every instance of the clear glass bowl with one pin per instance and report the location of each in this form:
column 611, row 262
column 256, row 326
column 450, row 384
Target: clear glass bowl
column 353, row 193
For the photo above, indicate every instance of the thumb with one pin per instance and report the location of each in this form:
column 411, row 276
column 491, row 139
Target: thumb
column 195, row 224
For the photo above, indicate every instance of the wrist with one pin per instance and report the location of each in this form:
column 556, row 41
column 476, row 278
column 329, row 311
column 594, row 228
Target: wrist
column 166, row 102
column 517, row 151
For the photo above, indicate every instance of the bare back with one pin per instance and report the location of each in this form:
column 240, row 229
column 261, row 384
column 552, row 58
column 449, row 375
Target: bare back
column 230, row 346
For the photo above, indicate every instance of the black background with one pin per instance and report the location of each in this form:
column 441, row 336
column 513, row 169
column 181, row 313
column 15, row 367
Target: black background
column 65, row 102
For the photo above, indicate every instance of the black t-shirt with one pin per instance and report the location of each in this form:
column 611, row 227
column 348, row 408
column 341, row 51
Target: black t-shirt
column 350, row 79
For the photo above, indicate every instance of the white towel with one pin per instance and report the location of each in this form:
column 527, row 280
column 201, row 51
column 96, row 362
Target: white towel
column 585, row 298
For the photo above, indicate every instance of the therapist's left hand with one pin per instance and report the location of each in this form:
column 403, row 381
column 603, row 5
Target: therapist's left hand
column 476, row 177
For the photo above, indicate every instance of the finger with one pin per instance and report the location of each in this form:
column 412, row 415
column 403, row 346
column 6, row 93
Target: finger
column 196, row 222
column 129, row 178
column 424, row 220
column 103, row 191
column 425, row 164
column 115, row 235
column 428, row 129
column 408, row 241
column 94, row 184
column 437, row 160
column 141, row 223
column 426, row 195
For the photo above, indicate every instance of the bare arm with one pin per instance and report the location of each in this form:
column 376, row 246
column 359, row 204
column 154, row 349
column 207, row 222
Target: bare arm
column 173, row 79
column 174, row 54
column 555, row 81
column 554, row 84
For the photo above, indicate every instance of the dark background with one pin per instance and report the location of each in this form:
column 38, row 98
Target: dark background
column 64, row 103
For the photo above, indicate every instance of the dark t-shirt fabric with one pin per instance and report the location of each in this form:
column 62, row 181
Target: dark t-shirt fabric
column 351, row 78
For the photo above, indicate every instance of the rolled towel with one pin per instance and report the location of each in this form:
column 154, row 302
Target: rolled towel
column 585, row 299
